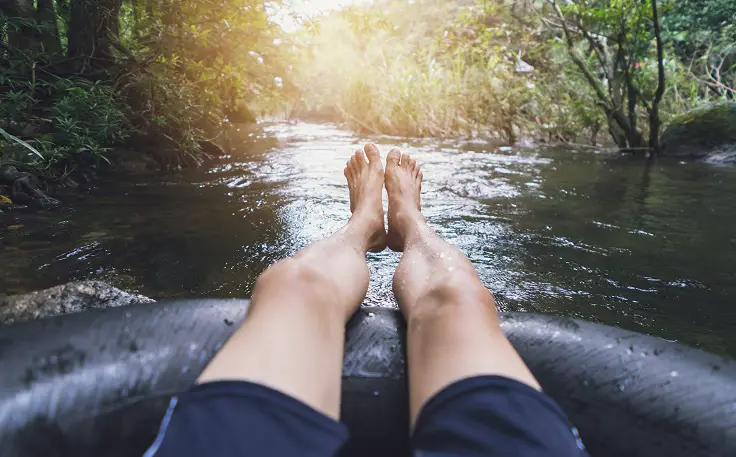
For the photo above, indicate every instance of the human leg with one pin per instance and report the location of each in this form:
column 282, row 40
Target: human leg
column 453, row 328
column 274, row 388
column 293, row 337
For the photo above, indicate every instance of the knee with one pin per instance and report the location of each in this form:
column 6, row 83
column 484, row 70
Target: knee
column 292, row 276
column 456, row 286
column 455, row 294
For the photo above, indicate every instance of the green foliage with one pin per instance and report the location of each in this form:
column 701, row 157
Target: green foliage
column 198, row 65
column 703, row 33
column 384, row 68
column 176, row 69
column 80, row 119
column 182, row 70
column 17, row 140
column 694, row 24
column 87, row 118
column 438, row 68
column 15, row 104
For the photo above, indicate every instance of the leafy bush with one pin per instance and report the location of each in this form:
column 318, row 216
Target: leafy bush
column 383, row 68
column 15, row 105
column 173, row 69
column 88, row 118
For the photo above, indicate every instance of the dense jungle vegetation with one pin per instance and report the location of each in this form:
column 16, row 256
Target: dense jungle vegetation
column 82, row 80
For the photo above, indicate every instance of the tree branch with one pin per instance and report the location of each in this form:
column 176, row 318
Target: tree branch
column 590, row 77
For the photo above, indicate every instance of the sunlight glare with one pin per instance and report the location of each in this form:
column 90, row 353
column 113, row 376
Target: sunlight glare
column 292, row 13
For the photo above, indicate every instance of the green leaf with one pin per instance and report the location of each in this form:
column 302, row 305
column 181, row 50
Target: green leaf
column 10, row 137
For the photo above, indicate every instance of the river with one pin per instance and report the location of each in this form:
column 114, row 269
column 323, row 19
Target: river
column 596, row 236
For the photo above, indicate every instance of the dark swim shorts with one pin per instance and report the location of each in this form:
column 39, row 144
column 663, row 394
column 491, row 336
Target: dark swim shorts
column 483, row 416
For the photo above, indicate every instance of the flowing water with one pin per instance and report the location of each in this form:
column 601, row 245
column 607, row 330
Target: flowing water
column 591, row 235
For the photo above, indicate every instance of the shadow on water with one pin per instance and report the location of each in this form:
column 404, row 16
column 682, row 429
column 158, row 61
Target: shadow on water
column 596, row 236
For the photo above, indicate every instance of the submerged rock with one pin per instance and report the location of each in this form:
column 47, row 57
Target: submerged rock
column 67, row 298
column 707, row 130
column 25, row 188
column 133, row 162
column 212, row 148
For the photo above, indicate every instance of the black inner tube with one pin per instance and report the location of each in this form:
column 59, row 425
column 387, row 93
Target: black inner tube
column 98, row 383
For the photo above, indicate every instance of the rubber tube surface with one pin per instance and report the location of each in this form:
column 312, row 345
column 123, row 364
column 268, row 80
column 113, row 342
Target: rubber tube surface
column 98, row 383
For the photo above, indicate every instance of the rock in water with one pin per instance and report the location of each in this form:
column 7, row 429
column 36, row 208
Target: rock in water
column 67, row 298
column 211, row 148
column 699, row 133
column 24, row 188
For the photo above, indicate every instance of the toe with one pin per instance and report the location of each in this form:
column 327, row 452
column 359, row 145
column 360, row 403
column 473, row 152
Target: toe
column 371, row 150
column 393, row 157
column 359, row 158
column 406, row 161
column 353, row 165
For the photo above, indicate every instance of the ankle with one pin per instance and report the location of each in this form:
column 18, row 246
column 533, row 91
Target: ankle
column 409, row 217
column 412, row 226
column 364, row 233
column 367, row 217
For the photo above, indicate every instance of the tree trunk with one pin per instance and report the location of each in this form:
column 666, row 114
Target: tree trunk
column 632, row 96
column 616, row 133
column 46, row 19
column 624, row 134
column 135, row 8
column 594, row 133
column 654, row 122
column 93, row 28
column 634, row 138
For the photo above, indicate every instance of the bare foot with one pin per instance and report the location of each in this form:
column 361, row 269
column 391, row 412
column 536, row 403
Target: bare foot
column 403, row 184
column 365, row 181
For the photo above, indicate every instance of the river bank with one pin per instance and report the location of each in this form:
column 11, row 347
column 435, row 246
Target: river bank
column 30, row 188
column 705, row 134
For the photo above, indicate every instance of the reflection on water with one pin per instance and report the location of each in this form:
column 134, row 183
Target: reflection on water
column 595, row 236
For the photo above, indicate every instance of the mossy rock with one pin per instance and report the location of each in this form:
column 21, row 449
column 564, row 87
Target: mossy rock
column 701, row 132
